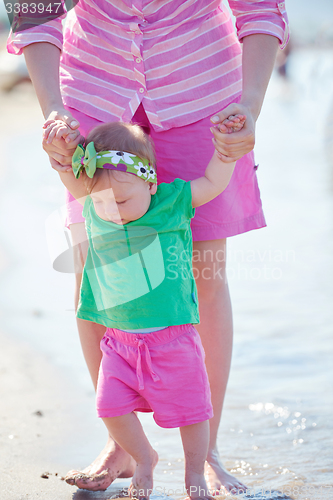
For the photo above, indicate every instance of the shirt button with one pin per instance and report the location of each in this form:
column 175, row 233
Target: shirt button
column 135, row 28
column 141, row 90
column 138, row 60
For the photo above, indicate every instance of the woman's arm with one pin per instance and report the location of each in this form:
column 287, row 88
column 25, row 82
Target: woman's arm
column 259, row 53
column 43, row 65
column 42, row 60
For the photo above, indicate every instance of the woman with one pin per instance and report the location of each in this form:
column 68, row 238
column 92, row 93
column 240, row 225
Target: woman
column 175, row 67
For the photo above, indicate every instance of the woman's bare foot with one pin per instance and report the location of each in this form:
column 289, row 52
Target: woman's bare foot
column 111, row 463
column 218, row 477
column 142, row 481
column 196, row 486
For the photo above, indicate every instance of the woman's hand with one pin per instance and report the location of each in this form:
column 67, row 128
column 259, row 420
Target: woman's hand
column 61, row 150
column 60, row 153
column 235, row 145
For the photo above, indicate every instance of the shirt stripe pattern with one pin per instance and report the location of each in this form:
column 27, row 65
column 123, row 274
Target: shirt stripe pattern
column 181, row 59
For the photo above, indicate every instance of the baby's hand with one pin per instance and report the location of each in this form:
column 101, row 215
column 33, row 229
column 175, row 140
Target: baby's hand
column 57, row 129
column 233, row 123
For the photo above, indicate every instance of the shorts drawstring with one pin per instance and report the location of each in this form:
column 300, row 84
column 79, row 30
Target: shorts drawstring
column 141, row 342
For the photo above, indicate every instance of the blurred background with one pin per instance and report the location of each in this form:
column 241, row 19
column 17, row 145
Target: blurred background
column 276, row 432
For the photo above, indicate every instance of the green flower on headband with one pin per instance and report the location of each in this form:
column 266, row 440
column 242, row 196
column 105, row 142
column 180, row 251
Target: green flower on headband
column 84, row 159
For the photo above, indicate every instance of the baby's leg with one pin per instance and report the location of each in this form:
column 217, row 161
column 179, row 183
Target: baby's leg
column 195, row 440
column 127, row 431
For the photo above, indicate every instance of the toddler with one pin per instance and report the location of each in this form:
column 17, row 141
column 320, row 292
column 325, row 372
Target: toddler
column 138, row 282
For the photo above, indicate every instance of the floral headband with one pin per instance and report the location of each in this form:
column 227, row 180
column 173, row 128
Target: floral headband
column 88, row 159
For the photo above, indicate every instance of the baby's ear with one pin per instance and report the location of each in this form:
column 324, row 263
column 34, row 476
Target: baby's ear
column 152, row 188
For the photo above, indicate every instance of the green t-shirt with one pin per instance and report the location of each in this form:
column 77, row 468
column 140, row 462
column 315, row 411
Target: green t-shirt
column 140, row 275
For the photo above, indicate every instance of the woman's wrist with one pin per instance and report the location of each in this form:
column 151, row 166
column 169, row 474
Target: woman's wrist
column 54, row 111
column 253, row 104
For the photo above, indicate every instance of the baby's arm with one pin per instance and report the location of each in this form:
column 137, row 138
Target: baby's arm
column 218, row 173
column 75, row 186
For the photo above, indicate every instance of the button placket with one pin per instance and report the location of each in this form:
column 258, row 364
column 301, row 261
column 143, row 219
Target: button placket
column 136, row 48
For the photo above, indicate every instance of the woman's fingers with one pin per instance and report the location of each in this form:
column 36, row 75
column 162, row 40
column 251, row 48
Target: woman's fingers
column 232, row 109
column 60, row 138
column 63, row 115
column 61, row 146
column 235, row 144
column 71, row 122
column 61, row 155
column 58, row 166
column 234, row 138
column 243, row 135
column 227, row 159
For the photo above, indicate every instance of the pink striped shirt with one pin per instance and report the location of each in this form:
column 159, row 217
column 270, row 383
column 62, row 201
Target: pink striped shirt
column 180, row 58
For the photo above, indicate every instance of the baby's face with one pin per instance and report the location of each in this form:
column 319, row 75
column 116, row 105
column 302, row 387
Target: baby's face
column 122, row 197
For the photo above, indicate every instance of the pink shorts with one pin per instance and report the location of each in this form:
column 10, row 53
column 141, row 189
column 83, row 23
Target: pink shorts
column 163, row 372
column 184, row 152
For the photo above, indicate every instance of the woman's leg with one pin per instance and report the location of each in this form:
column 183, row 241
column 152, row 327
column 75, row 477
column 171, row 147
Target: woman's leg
column 215, row 329
column 113, row 461
column 195, row 440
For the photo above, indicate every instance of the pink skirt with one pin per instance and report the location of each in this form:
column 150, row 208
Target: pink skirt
column 163, row 372
column 184, row 152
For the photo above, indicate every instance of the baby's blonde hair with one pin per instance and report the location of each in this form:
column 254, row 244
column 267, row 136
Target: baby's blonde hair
column 120, row 136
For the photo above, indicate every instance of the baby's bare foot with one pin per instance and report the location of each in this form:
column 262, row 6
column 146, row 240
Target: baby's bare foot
column 112, row 462
column 233, row 123
column 142, row 481
column 196, row 486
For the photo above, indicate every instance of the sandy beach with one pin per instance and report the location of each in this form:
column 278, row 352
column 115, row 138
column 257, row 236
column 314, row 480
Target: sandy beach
column 32, row 438
column 276, row 432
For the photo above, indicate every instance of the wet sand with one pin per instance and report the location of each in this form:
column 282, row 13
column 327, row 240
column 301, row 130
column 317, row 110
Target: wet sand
column 34, row 424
